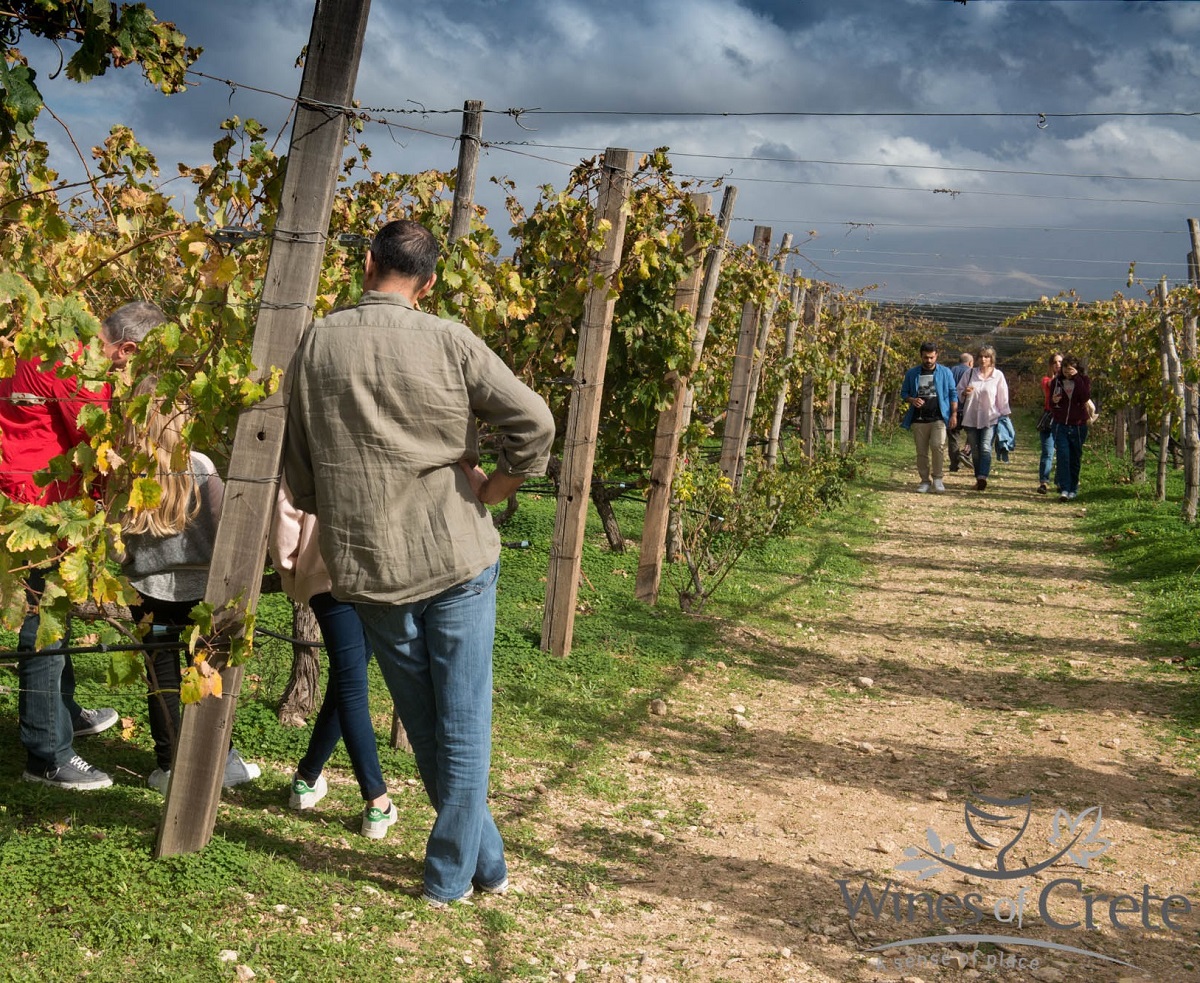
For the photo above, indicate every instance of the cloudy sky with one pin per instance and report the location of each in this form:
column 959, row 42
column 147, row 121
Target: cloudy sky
column 904, row 134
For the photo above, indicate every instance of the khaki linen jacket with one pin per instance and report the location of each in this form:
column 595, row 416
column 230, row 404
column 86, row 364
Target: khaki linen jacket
column 383, row 405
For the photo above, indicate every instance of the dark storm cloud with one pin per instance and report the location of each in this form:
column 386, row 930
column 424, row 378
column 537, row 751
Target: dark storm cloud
column 754, row 56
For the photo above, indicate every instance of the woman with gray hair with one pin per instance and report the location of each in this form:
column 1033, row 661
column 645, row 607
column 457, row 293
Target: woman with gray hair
column 986, row 391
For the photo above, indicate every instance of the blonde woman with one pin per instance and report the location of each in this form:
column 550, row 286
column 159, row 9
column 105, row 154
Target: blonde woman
column 168, row 550
column 986, row 391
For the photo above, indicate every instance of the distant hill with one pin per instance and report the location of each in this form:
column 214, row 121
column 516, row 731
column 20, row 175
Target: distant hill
column 969, row 325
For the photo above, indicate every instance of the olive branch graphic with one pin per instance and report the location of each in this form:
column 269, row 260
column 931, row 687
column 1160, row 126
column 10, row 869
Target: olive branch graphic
column 1075, row 837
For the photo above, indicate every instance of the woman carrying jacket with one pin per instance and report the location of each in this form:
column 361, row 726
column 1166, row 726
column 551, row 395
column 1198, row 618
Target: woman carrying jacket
column 1070, row 395
column 986, row 392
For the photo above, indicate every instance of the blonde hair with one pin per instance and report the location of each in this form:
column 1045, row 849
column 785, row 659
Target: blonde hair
column 160, row 441
column 987, row 350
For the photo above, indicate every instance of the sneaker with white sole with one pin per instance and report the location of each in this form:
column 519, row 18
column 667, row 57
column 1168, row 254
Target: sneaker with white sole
column 305, row 796
column 376, row 821
column 939, row 486
column 238, row 770
column 501, row 888
column 158, row 780
column 439, row 903
column 94, row 721
column 75, row 774
column 923, row 487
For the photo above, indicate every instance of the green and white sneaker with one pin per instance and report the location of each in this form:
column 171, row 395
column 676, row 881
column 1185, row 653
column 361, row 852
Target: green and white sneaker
column 305, row 796
column 376, row 821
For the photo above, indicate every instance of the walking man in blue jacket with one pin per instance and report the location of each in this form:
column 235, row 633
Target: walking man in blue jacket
column 932, row 400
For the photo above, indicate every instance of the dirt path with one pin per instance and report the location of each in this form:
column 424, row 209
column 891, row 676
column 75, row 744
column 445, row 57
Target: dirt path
column 986, row 655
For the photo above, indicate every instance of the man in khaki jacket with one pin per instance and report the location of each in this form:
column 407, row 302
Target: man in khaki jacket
column 382, row 446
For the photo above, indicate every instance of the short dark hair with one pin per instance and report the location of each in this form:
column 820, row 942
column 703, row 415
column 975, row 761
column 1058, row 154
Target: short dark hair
column 928, row 346
column 1073, row 360
column 132, row 322
column 405, row 248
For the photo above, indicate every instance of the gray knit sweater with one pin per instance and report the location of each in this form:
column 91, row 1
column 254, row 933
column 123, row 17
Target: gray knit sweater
column 175, row 568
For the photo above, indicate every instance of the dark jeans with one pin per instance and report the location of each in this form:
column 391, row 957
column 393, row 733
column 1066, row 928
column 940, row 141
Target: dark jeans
column 980, row 439
column 1068, row 445
column 345, row 712
column 164, row 672
column 46, row 695
column 955, row 441
column 1046, row 460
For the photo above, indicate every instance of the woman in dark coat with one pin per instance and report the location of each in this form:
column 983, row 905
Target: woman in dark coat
column 1070, row 394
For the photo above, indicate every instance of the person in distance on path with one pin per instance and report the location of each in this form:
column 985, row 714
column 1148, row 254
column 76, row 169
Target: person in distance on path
column 986, row 392
column 382, row 447
column 955, row 439
column 928, row 388
column 1071, row 409
column 1046, row 437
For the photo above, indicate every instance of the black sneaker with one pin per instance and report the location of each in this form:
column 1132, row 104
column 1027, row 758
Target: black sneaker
column 94, row 721
column 75, row 774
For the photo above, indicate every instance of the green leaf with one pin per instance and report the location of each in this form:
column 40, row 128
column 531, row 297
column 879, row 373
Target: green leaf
column 20, row 103
column 125, row 669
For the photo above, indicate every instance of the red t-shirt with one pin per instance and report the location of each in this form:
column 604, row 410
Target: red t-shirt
column 39, row 420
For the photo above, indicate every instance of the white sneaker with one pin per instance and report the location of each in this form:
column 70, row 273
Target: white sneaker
column 305, row 796
column 939, row 486
column 375, row 821
column 238, row 770
column 923, row 487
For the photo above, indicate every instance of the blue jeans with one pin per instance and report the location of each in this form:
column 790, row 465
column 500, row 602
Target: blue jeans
column 980, row 439
column 1068, row 445
column 46, row 696
column 1046, row 460
column 436, row 657
column 345, row 712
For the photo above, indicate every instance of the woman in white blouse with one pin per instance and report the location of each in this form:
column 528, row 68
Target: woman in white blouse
column 986, row 391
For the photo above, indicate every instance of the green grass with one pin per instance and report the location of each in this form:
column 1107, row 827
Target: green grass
column 303, row 896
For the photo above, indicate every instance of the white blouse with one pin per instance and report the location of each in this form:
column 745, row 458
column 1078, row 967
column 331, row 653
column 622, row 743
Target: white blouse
column 988, row 402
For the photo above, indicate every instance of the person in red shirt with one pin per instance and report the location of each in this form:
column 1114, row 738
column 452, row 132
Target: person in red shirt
column 1046, row 458
column 39, row 421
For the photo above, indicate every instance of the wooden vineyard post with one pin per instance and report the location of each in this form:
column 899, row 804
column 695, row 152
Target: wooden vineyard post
column 849, row 432
column 1170, row 370
column 766, row 320
column 1191, row 400
column 708, row 294
column 796, row 299
column 812, row 317
column 873, row 409
column 666, row 435
column 468, row 164
column 289, row 291
column 743, row 366
column 583, row 419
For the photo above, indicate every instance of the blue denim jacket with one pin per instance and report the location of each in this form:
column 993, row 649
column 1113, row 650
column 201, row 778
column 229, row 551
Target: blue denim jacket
column 943, row 380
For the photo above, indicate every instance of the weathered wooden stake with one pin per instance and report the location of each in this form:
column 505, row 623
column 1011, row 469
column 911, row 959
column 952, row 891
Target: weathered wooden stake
column 873, row 410
column 666, row 436
column 468, row 164
column 796, row 299
column 766, row 321
column 583, row 419
column 741, row 371
column 289, row 291
column 1191, row 399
